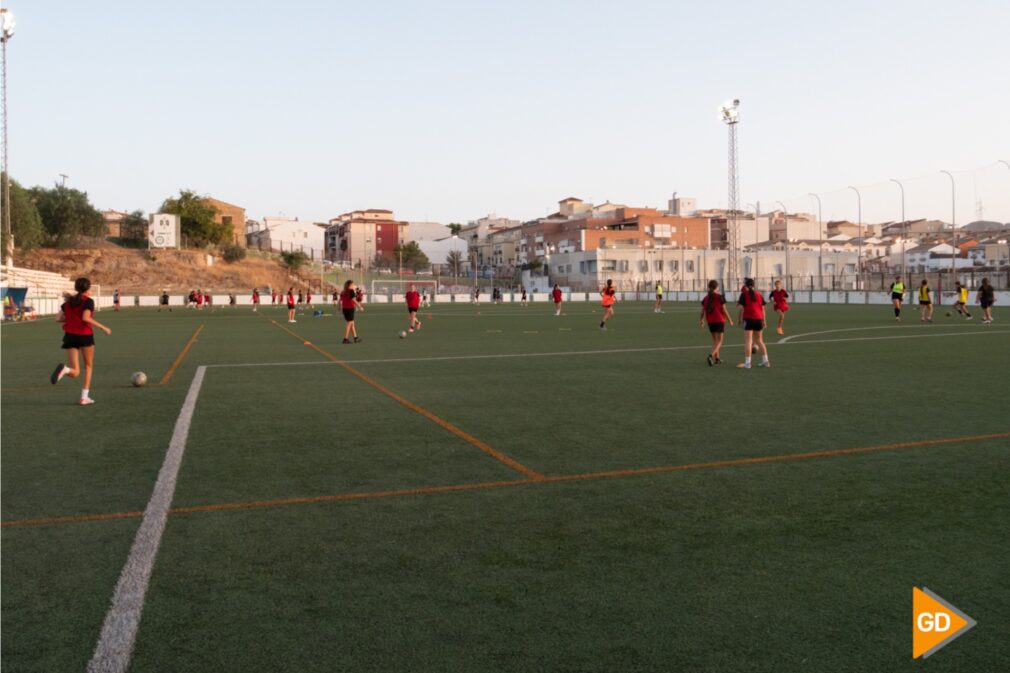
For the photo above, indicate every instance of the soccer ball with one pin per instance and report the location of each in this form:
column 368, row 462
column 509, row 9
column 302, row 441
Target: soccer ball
column 403, row 335
column 754, row 349
column 949, row 314
column 138, row 379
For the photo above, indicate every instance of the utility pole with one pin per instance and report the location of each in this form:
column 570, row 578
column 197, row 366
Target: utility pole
column 63, row 180
column 729, row 113
column 7, row 22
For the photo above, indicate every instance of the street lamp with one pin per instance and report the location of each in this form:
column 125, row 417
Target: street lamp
column 953, row 224
column 904, row 231
column 785, row 216
column 859, row 216
column 820, row 247
column 7, row 26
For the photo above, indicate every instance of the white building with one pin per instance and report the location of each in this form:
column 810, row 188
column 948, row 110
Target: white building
column 426, row 231
column 438, row 251
column 284, row 234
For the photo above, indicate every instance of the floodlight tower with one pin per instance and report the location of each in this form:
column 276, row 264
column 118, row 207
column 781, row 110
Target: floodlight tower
column 7, row 24
column 729, row 113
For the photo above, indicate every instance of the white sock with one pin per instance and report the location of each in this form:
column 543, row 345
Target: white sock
column 764, row 359
column 84, row 393
column 746, row 360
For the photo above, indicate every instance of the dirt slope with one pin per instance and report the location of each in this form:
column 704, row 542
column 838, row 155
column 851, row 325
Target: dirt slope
column 136, row 272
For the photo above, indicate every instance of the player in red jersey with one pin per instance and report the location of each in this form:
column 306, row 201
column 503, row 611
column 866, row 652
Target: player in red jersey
column 348, row 302
column 752, row 317
column 308, row 297
column 556, row 296
column 609, row 297
column 256, row 299
column 714, row 313
column 273, row 296
column 77, row 315
column 291, row 304
column 780, row 302
column 413, row 303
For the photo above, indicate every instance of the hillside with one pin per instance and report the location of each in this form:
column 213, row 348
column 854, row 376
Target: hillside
column 177, row 271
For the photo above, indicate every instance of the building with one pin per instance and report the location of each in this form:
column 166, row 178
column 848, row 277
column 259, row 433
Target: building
column 362, row 237
column 230, row 214
column 793, row 226
column 426, row 231
column 114, row 222
column 283, row 234
column 852, row 229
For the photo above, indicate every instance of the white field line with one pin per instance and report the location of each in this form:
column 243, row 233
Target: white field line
column 615, row 351
column 119, row 632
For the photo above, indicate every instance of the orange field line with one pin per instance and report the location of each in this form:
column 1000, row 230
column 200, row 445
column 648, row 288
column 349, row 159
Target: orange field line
column 441, row 422
column 428, row 490
column 178, row 360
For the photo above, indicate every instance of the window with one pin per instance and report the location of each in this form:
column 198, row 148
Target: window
column 623, row 265
column 582, row 267
column 561, row 268
column 657, row 265
column 226, row 219
column 689, row 266
column 608, row 265
column 674, row 265
column 643, row 265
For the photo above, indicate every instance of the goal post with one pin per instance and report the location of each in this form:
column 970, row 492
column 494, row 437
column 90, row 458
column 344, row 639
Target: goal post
column 387, row 287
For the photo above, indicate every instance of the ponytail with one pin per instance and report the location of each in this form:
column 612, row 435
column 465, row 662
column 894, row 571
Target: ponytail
column 81, row 286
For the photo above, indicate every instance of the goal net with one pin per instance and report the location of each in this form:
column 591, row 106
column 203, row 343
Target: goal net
column 401, row 286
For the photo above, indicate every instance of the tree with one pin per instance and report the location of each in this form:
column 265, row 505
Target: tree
column 294, row 260
column 196, row 217
column 134, row 226
column 411, row 256
column 455, row 261
column 66, row 214
column 26, row 224
column 455, row 228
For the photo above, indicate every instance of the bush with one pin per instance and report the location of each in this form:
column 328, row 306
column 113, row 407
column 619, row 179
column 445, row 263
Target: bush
column 233, row 253
column 294, row 260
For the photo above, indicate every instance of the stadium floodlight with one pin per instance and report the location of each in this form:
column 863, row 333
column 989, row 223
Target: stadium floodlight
column 729, row 112
column 7, row 25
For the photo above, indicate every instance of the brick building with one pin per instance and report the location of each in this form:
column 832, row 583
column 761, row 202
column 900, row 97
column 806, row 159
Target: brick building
column 360, row 236
column 228, row 213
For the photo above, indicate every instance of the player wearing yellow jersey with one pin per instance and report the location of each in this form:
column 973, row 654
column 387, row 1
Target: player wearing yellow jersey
column 961, row 304
column 925, row 302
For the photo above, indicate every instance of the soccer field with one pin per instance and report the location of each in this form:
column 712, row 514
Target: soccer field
column 505, row 490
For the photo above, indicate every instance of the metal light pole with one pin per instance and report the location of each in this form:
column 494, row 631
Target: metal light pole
column 757, row 218
column 859, row 216
column 729, row 113
column 785, row 216
column 904, row 231
column 7, row 22
column 820, row 247
column 953, row 225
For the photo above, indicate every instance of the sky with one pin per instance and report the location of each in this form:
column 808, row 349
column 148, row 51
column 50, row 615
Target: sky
column 452, row 110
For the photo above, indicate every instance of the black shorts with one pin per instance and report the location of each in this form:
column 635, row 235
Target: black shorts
column 717, row 327
column 411, row 311
column 984, row 303
column 925, row 302
column 348, row 314
column 78, row 340
column 898, row 296
column 753, row 325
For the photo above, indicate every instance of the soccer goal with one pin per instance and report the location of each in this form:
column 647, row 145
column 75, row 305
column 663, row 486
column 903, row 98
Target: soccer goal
column 386, row 287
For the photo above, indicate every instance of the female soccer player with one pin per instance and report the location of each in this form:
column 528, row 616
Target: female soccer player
column 348, row 302
column 291, row 304
column 116, row 299
column 962, row 300
column 77, row 315
column 607, row 293
column 413, row 303
column 163, row 302
column 925, row 302
column 424, row 298
column 780, row 302
column 986, row 297
column 752, row 317
column 659, row 299
column 522, row 298
column 308, row 297
column 713, row 312
column 273, row 296
column 256, row 299
column 556, row 296
column 897, row 296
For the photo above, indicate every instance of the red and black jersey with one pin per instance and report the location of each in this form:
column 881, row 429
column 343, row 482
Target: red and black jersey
column 347, row 299
column 256, row 297
column 779, row 296
column 291, row 300
column 413, row 300
column 359, row 294
column 713, row 303
column 73, row 316
column 753, row 306
column 556, row 293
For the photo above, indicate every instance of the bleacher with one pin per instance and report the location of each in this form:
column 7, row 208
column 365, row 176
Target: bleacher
column 45, row 291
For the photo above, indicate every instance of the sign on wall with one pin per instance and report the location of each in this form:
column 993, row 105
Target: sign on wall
column 164, row 231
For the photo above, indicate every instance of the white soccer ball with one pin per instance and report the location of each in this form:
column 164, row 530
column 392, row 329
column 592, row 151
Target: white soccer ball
column 403, row 335
column 138, row 379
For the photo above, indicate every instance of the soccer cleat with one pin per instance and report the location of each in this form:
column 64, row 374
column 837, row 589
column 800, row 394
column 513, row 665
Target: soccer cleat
column 765, row 364
column 347, row 341
column 779, row 330
column 85, row 401
column 718, row 361
column 58, row 374
column 711, row 361
column 357, row 340
column 743, row 365
column 292, row 321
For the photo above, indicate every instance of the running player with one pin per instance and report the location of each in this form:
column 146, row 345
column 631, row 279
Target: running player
column 424, row 298
column 752, row 317
column 522, row 298
column 413, row 303
column 476, row 295
column 115, row 300
column 348, row 302
column 359, row 294
column 256, row 299
column 714, row 313
column 77, row 315
column 273, row 296
column 897, row 296
column 608, row 293
column 163, row 302
column 780, row 302
column 986, row 297
column 961, row 304
column 291, row 304
column 308, row 297
column 925, row 302
column 556, row 296
column 658, row 308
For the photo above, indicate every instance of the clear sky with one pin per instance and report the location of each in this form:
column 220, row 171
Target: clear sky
column 452, row 110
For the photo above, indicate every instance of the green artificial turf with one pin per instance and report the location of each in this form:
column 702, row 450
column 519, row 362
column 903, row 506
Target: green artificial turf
column 785, row 566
